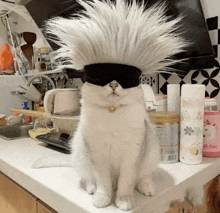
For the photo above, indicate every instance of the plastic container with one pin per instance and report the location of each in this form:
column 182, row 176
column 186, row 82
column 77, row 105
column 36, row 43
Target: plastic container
column 167, row 131
column 210, row 104
column 211, row 133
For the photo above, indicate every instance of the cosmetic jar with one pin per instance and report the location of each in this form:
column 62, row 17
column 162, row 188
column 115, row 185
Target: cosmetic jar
column 167, row 132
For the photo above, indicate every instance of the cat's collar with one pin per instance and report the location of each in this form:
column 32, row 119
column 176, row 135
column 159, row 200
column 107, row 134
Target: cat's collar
column 111, row 108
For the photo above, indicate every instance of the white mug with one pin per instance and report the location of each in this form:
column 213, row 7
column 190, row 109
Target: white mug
column 62, row 101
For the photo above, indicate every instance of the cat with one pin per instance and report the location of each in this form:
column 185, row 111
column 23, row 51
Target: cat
column 115, row 149
column 115, row 144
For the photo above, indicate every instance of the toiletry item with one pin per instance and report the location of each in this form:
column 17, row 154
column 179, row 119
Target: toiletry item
column 191, row 123
column 173, row 98
column 210, row 104
column 211, row 133
column 167, row 131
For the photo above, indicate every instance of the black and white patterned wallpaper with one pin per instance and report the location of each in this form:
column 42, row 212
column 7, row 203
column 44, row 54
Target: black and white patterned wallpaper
column 209, row 77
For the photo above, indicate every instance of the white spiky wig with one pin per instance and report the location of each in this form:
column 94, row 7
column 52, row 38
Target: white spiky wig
column 119, row 32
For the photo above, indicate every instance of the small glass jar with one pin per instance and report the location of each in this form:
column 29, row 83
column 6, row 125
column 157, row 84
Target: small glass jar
column 44, row 58
column 167, row 132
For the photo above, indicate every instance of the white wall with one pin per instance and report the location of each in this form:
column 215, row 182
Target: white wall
column 211, row 8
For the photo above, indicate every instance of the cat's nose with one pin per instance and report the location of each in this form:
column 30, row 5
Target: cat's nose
column 113, row 85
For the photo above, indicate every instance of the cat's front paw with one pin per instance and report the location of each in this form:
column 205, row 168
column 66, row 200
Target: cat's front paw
column 101, row 200
column 91, row 188
column 125, row 203
column 146, row 188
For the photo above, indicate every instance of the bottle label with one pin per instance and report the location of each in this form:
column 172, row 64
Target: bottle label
column 169, row 142
column 211, row 132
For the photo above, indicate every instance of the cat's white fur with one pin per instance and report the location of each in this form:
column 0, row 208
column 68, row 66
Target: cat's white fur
column 117, row 33
column 116, row 149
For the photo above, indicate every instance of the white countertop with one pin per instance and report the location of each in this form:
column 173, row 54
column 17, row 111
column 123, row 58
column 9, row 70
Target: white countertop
column 60, row 189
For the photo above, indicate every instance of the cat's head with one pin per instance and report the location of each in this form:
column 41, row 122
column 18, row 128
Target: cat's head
column 111, row 93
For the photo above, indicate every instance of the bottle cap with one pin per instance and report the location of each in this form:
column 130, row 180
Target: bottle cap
column 164, row 117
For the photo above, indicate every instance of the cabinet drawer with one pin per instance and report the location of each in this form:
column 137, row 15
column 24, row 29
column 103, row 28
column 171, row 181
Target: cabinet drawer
column 43, row 208
column 13, row 199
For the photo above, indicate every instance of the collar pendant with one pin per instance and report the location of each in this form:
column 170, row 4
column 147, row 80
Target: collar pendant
column 111, row 109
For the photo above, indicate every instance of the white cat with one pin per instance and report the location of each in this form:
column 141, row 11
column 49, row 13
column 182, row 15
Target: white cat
column 116, row 148
column 115, row 145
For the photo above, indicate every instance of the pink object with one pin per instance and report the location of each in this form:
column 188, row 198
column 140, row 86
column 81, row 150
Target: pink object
column 211, row 134
column 15, row 114
column 27, row 119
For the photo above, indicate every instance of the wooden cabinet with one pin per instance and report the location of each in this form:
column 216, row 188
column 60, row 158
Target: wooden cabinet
column 43, row 208
column 15, row 199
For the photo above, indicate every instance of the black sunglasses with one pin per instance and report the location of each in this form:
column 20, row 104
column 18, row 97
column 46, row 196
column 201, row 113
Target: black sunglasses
column 103, row 73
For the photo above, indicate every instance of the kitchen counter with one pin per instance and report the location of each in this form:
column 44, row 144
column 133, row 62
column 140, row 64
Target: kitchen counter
column 60, row 189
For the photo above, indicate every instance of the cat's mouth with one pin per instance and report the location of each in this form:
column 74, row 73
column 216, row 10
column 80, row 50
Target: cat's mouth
column 114, row 94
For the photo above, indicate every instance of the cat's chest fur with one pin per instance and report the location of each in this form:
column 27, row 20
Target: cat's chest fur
column 123, row 119
column 112, row 135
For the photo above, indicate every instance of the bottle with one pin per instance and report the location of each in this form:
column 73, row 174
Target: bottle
column 211, row 130
column 191, row 123
column 167, row 132
column 44, row 58
column 210, row 104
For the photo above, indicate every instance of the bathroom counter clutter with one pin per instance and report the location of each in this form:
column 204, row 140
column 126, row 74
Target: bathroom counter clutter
column 60, row 189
